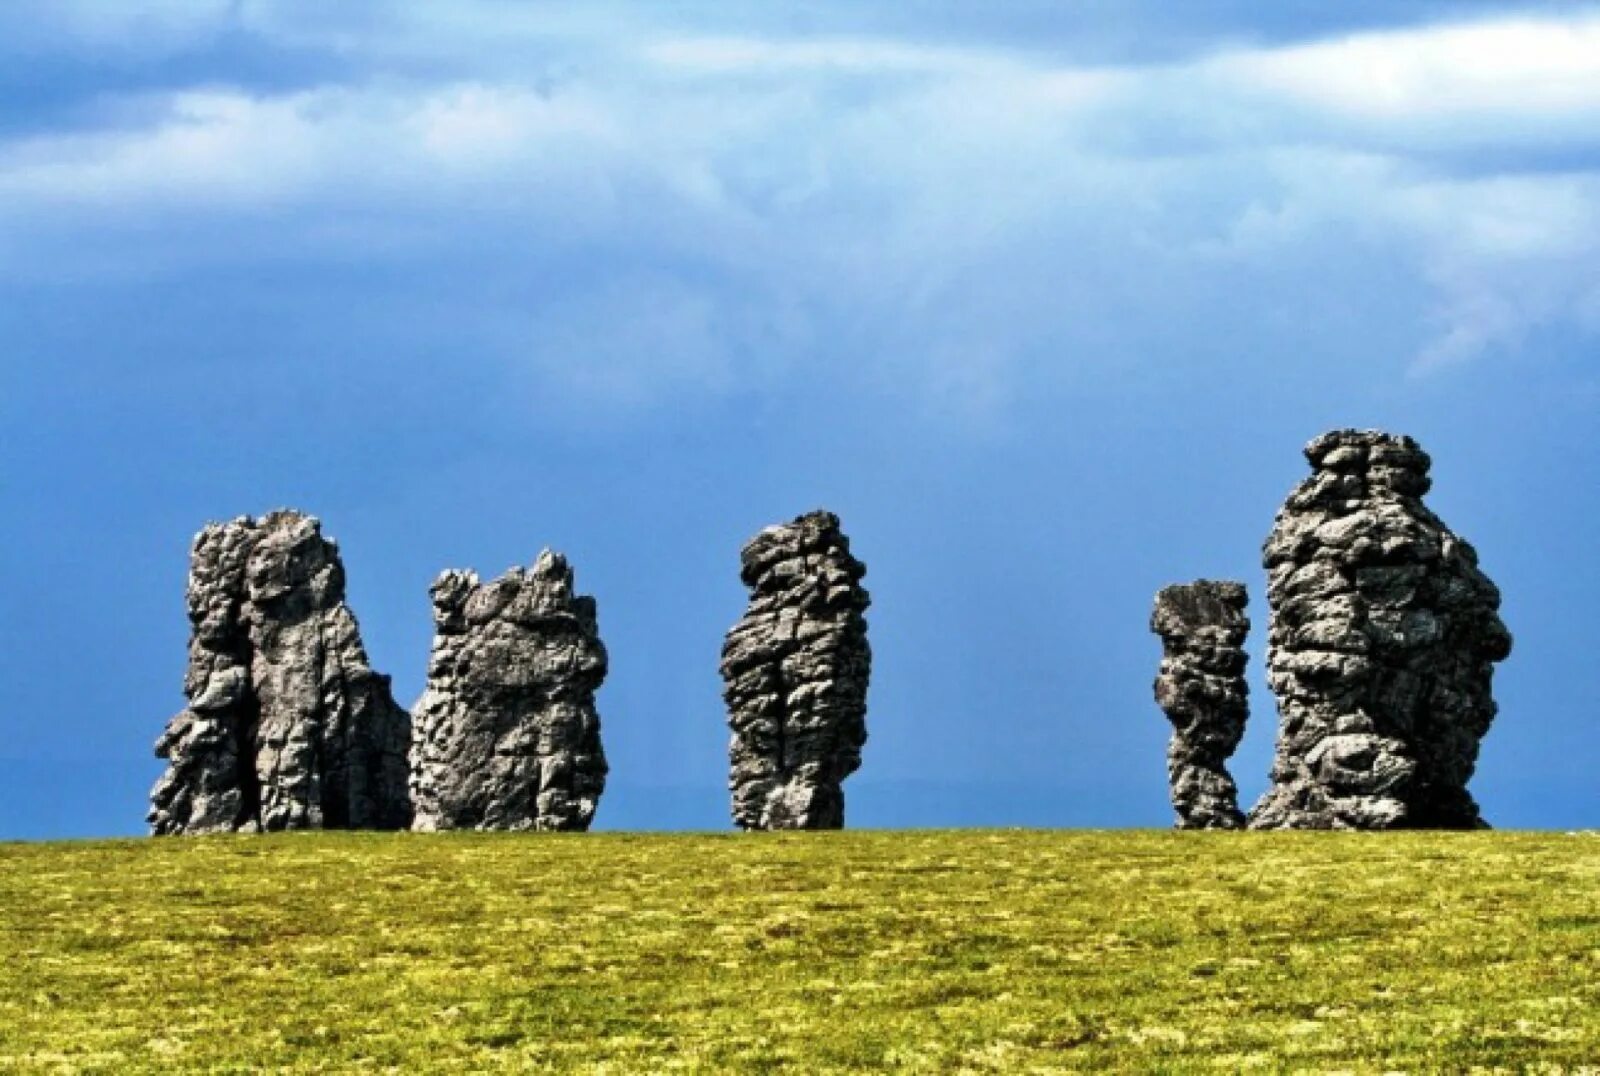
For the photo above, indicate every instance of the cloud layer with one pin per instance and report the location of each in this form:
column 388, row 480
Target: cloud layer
column 652, row 212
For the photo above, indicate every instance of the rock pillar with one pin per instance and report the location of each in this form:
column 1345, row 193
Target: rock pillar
column 1384, row 635
column 287, row 725
column 795, row 671
column 1201, row 688
column 506, row 733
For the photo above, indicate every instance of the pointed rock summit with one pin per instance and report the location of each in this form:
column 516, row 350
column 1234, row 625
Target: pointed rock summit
column 506, row 733
column 287, row 725
column 1201, row 688
column 1384, row 634
column 795, row 671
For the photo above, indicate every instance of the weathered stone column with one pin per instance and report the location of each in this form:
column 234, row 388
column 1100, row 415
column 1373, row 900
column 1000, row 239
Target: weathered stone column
column 287, row 725
column 506, row 733
column 1202, row 689
column 795, row 672
column 1382, row 647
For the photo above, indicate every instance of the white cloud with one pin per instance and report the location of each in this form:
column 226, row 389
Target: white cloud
column 225, row 148
column 478, row 127
column 1506, row 68
column 704, row 56
column 1505, row 255
column 1505, row 218
column 943, row 199
column 215, row 145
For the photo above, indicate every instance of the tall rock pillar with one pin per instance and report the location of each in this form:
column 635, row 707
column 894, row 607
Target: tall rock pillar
column 1201, row 688
column 1382, row 646
column 506, row 733
column 287, row 725
column 795, row 671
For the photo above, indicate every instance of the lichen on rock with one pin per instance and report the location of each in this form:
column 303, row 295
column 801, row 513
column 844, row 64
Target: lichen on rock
column 795, row 671
column 1384, row 634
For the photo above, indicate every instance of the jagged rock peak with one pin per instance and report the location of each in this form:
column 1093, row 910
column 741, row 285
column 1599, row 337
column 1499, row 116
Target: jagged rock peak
column 795, row 670
column 506, row 733
column 1384, row 634
column 1202, row 690
column 287, row 726
column 1350, row 464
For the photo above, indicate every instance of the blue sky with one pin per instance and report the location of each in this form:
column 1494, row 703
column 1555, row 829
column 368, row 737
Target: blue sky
column 1043, row 299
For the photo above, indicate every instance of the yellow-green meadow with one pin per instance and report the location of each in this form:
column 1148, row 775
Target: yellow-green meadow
column 924, row 951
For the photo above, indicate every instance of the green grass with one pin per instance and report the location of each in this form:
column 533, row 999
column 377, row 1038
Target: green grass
column 978, row 951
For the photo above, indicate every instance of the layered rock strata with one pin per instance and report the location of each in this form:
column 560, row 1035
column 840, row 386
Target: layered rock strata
column 1384, row 634
column 795, row 671
column 506, row 732
column 1202, row 690
column 287, row 725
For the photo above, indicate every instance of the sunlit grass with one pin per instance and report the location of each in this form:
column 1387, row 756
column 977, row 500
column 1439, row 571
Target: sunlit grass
column 979, row 951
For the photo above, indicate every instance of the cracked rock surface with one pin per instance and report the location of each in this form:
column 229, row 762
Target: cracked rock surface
column 1201, row 688
column 795, row 671
column 287, row 725
column 1384, row 634
column 506, row 732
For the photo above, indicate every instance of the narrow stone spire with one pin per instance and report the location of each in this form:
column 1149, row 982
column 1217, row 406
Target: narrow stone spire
column 1202, row 689
column 795, row 671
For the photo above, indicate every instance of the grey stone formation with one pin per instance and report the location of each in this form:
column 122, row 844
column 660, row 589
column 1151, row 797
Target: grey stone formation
column 795, row 671
column 1202, row 689
column 1383, row 641
column 287, row 725
column 506, row 733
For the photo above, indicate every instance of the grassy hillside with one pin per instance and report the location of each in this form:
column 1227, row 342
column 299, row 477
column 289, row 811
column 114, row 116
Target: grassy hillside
column 980, row 951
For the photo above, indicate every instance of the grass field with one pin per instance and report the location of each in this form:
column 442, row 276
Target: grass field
column 980, row 951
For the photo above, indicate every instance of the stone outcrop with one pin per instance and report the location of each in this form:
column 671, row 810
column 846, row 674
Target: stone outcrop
column 506, row 733
column 795, row 671
column 287, row 725
column 1382, row 647
column 1202, row 689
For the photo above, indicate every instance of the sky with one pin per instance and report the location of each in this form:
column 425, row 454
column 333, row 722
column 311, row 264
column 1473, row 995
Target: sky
column 1042, row 299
